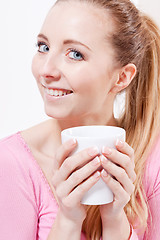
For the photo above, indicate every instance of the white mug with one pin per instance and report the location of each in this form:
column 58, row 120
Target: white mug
column 91, row 136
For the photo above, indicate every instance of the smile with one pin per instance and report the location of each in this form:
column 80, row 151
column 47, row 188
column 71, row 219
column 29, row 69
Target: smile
column 57, row 92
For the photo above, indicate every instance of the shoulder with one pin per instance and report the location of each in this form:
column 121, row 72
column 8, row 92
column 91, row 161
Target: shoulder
column 24, row 186
column 16, row 176
column 41, row 137
column 15, row 159
column 18, row 166
column 10, row 147
column 17, row 144
column 19, row 171
column 152, row 172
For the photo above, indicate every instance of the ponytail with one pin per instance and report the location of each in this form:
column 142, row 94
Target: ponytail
column 141, row 118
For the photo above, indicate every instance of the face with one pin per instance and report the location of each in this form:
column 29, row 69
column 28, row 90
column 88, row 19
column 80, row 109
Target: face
column 74, row 66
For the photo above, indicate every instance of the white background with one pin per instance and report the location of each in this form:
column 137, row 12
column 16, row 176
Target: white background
column 21, row 105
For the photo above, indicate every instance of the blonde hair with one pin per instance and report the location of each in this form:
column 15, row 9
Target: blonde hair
column 136, row 40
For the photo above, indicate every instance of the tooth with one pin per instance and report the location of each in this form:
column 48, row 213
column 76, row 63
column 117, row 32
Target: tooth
column 51, row 92
column 55, row 93
column 60, row 93
column 47, row 90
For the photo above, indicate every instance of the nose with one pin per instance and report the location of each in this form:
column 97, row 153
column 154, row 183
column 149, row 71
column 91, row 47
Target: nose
column 50, row 70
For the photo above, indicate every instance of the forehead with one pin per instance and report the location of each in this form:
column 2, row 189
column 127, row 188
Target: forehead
column 78, row 20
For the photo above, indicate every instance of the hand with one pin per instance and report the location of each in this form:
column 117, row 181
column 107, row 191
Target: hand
column 118, row 173
column 73, row 177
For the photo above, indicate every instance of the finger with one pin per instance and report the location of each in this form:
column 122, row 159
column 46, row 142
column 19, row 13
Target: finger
column 78, row 177
column 123, row 147
column 73, row 162
column 65, row 150
column 119, row 173
column 120, row 159
column 120, row 195
column 77, row 194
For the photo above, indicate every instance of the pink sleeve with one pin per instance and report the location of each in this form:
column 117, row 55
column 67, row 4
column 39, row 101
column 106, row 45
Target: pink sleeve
column 27, row 205
column 28, row 208
column 153, row 232
column 18, row 211
column 152, row 186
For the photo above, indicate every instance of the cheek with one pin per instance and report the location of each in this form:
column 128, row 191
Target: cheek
column 80, row 76
column 89, row 78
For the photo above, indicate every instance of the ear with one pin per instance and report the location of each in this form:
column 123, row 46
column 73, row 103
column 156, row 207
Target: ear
column 125, row 76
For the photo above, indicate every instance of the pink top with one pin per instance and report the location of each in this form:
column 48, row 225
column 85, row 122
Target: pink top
column 27, row 206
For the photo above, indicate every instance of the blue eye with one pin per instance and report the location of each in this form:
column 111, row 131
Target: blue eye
column 75, row 55
column 42, row 47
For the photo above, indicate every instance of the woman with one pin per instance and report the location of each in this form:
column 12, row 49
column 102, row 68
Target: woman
column 88, row 52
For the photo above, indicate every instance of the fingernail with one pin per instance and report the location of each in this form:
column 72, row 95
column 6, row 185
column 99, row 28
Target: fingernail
column 72, row 141
column 119, row 143
column 104, row 173
column 95, row 161
column 104, row 159
column 106, row 150
column 93, row 151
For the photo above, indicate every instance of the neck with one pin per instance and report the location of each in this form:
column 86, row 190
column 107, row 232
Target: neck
column 85, row 121
column 104, row 116
column 55, row 126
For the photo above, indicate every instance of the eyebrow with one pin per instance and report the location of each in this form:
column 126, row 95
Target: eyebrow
column 65, row 42
column 42, row 36
column 69, row 41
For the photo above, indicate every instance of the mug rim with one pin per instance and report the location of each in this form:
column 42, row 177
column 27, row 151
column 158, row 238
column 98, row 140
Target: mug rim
column 65, row 132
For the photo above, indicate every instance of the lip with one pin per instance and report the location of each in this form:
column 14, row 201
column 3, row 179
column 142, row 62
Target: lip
column 56, row 88
column 56, row 99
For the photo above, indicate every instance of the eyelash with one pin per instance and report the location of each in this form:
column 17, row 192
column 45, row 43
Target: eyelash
column 77, row 51
column 40, row 43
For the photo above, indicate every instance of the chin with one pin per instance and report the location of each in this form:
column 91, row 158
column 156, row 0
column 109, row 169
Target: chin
column 59, row 115
column 66, row 114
